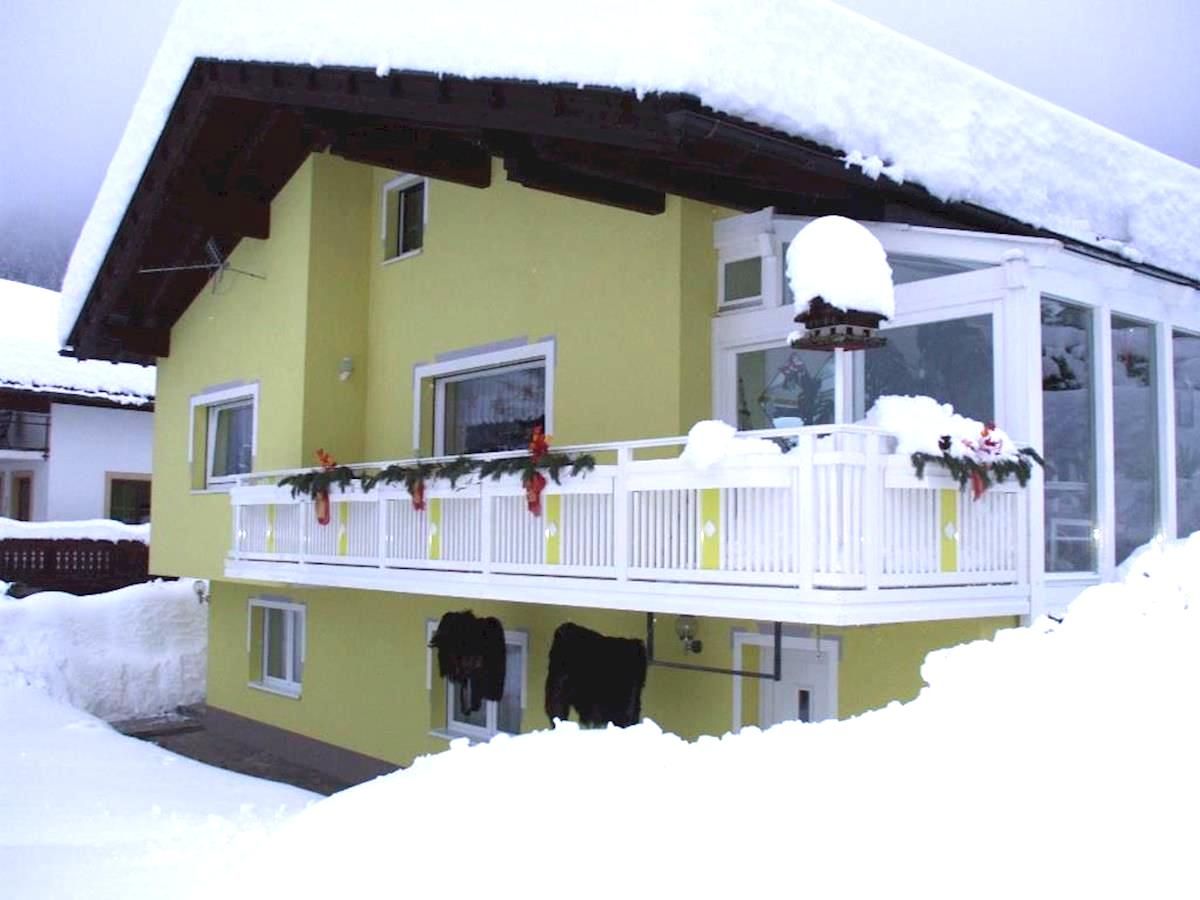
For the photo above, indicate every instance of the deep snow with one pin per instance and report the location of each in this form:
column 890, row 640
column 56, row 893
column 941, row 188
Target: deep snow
column 133, row 652
column 1054, row 760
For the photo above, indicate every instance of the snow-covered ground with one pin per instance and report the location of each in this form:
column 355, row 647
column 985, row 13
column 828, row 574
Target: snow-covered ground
column 1055, row 760
column 88, row 813
column 84, row 811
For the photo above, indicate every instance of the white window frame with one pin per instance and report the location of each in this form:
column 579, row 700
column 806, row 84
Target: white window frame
column 455, row 729
column 211, row 401
column 396, row 185
column 296, row 622
column 438, row 373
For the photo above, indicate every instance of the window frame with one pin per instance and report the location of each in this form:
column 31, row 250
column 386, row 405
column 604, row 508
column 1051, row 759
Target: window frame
column 457, row 729
column 296, row 620
column 461, row 367
column 210, row 401
column 110, row 478
column 398, row 186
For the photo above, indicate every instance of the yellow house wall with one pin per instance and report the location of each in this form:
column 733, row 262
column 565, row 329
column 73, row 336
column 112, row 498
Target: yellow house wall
column 365, row 667
column 242, row 330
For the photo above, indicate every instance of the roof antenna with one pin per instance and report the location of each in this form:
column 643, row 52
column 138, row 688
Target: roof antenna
column 218, row 264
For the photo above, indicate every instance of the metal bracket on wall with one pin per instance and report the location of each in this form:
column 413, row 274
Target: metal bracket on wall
column 777, row 675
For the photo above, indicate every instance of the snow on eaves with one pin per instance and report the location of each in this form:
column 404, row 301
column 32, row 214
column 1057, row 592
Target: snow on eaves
column 806, row 67
column 29, row 359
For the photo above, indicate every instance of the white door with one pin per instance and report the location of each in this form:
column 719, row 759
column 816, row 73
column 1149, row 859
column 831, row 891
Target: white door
column 807, row 692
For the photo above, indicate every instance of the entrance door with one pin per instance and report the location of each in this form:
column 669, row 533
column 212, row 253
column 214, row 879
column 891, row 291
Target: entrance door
column 806, row 692
column 22, row 496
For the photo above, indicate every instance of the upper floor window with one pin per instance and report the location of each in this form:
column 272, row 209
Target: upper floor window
column 224, row 425
column 487, row 402
column 405, row 212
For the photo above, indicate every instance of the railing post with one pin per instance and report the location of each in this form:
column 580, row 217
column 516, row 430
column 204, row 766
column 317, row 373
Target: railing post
column 802, row 508
column 381, row 530
column 873, row 512
column 620, row 533
column 485, row 528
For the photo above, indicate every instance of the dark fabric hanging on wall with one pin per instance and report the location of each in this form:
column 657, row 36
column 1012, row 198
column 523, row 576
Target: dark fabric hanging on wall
column 601, row 677
column 471, row 654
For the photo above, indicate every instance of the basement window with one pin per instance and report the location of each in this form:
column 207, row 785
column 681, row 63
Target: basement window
column 405, row 212
column 494, row 716
column 275, row 640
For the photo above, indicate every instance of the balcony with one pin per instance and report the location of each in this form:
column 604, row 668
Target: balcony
column 839, row 531
column 24, row 434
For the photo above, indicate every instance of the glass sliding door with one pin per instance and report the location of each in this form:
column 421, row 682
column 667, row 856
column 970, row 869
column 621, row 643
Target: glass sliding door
column 951, row 360
column 1135, row 426
column 1186, row 352
column 784, row 388
column 1069, row 437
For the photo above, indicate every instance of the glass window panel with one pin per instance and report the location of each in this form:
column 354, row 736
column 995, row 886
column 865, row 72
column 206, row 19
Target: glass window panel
column 477, row 718
column 951, row 361
column 494, row 411
column 1134, row 430
column 907, row 269
column 276, row 641
column 297, row 646
column 784, row 388
column 1187, row 431
column 232, row 446
column 803, row 705
column 743, row 279
column 509, row 713
column 412, row 203
column 1069, row 437
column 129, row 501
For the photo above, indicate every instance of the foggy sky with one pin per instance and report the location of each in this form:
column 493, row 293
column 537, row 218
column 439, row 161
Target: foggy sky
column 70, row 71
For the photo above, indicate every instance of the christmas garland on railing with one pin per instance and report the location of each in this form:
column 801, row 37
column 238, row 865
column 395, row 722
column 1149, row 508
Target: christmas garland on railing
column 317, row 483
column 980, row 475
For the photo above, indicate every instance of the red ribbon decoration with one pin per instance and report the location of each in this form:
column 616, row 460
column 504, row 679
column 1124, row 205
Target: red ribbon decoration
column 539, row 446
column 321, row 505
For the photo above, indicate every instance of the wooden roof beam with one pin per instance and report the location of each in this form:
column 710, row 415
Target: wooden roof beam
column 532, row 172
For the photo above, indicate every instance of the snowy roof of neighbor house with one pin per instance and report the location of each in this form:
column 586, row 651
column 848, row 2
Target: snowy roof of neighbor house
column 891, row 109
column 29, row 358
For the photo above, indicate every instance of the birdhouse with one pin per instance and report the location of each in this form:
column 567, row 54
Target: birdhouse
column 829, row 328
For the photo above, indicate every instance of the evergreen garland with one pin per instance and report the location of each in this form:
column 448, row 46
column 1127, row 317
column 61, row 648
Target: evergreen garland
column 967, row 471
column 413, row 477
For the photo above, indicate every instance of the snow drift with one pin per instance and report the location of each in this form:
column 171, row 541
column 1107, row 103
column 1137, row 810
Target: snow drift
column 1054, row 760
column 133, row 652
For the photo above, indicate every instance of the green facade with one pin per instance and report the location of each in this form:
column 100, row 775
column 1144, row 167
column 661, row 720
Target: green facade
column 628, row 300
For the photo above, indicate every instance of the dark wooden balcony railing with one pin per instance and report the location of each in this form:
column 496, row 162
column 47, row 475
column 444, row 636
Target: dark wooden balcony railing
column 74, row 565
column 20, row 430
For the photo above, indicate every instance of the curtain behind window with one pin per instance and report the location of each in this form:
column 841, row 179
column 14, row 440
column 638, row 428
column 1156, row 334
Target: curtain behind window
column 494, row 411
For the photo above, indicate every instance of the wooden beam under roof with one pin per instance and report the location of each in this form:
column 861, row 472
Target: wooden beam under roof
column 533, row 172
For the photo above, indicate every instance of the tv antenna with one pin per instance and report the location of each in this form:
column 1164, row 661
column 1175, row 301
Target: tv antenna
column 217, row 264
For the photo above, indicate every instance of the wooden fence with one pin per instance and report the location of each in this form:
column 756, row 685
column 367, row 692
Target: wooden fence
column 74, row 565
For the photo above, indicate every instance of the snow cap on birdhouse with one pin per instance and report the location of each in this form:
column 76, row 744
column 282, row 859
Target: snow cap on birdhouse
column 842, row 284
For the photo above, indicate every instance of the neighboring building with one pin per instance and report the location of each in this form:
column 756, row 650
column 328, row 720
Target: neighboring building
column 433, row 265
column 75, row 435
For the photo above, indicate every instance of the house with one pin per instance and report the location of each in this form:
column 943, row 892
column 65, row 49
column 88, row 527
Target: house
column 75, row 435
column 583, row 229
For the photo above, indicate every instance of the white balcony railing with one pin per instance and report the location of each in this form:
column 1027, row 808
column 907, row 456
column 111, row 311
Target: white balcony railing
column 837, row 531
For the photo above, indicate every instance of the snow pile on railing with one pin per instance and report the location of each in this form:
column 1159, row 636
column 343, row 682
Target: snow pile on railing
column 1046, row 762
column 712, row 441
column 78, row 530
column 133, row 652
column 921, row 425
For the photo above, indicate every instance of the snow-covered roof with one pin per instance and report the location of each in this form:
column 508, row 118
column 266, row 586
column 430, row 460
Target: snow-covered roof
column 29, row 359
column 810, row 68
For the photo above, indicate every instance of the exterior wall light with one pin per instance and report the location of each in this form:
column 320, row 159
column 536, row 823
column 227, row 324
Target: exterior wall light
column 685, row 630
column 346, row 368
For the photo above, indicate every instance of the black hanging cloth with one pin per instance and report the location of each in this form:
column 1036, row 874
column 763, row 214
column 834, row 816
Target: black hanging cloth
column 471, row 654
column 602, row 677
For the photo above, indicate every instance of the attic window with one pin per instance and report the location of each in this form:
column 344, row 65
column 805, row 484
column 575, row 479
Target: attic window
column 404, row 215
